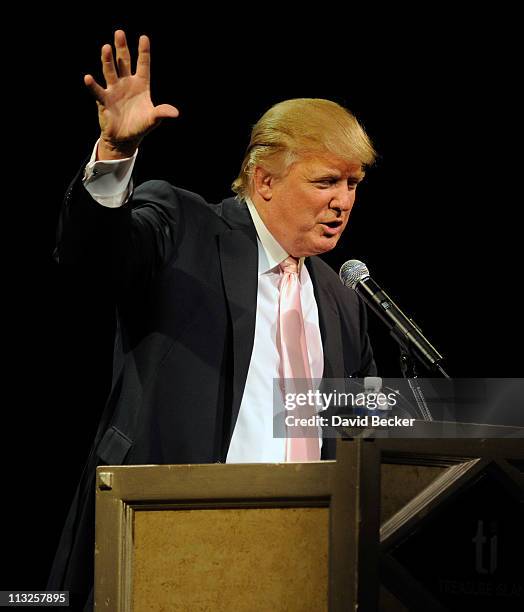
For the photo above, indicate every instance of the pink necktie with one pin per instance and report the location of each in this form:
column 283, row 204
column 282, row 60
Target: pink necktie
column 295, row 371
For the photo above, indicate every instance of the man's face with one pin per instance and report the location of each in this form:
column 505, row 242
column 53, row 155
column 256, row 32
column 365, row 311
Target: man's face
column 308, row 208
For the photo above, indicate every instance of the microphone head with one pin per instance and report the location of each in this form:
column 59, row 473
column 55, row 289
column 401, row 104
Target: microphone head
column 352, row 272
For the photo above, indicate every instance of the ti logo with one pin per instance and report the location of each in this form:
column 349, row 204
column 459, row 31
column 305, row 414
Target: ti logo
column 485, row 563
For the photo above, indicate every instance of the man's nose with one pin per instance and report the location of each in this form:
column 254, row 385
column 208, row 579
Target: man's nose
column 343, row 201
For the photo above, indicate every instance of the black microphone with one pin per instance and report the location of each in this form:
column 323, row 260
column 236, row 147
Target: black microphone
column 355, row 275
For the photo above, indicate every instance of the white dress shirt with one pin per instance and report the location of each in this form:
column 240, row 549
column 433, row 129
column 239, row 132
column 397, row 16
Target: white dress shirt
column 109, row 183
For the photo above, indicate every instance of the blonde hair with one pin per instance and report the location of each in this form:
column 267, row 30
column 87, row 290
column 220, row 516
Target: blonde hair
column 293, row 128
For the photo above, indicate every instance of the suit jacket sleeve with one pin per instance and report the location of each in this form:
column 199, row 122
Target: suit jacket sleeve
column 121, row 247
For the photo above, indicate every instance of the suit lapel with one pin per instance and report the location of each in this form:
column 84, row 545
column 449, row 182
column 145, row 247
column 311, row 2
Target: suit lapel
column 329, row 321
column 239, row 262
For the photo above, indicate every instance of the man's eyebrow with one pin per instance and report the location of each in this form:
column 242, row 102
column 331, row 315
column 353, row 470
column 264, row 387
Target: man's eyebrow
column 335, row 174
column 326, row 174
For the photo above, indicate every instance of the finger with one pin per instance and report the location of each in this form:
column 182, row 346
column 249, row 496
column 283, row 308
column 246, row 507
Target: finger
column 108, row 65
column 166, row 111
column 123, row 58
column 144, row 57
column 94, row 87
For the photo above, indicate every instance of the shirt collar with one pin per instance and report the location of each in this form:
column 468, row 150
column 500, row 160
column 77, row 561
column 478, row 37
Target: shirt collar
column 274, row 253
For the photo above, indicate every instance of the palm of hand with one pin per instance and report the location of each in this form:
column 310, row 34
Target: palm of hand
column 126, row 111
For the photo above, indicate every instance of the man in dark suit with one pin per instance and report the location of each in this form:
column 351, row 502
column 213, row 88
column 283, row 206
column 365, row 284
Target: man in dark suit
column 199, row 331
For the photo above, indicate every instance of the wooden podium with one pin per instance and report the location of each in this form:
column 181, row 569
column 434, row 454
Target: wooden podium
column 291, row 537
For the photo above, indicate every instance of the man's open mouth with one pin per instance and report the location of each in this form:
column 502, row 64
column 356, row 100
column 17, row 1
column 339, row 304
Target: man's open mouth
column 333, row 224
column 332, row 228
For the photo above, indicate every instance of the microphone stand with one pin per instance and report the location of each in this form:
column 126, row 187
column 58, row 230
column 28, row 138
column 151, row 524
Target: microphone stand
column 409, row 372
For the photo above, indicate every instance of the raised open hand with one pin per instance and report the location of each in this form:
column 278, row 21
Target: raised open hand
column 125, row 110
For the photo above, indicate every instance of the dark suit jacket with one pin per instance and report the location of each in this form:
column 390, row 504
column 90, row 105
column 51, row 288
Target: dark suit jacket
column 183, row 276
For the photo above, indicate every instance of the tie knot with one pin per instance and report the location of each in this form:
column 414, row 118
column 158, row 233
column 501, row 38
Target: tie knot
column 289, row 265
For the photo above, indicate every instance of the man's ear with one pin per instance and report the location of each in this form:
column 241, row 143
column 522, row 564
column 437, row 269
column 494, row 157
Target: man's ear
column 263, row 183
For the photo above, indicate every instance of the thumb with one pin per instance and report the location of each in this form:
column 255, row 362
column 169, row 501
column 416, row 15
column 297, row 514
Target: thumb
column 165, row 111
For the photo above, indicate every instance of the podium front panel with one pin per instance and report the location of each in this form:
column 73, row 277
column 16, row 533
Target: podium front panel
column 226, row 559
column 224, row 537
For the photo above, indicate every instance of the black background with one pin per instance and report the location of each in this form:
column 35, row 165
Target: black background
column 436, row 220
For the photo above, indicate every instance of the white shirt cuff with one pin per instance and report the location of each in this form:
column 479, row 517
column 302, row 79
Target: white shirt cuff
column 109, row 182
